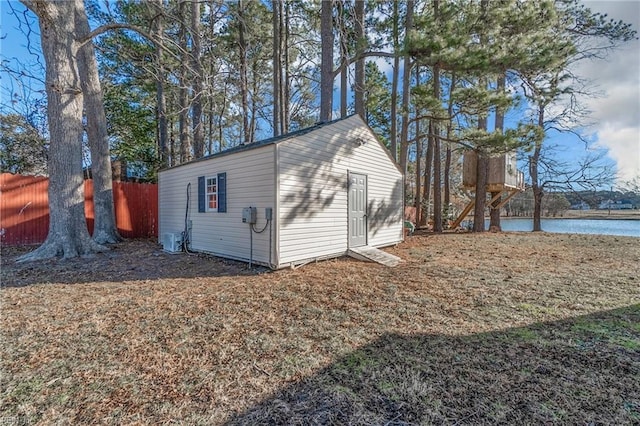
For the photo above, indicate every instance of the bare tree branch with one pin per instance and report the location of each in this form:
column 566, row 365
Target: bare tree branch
column 362, row 55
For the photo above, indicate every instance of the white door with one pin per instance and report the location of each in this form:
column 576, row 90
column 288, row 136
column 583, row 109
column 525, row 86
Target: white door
column 357, row 210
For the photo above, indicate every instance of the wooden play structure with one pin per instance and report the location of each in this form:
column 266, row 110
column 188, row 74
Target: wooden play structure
column 504, row 180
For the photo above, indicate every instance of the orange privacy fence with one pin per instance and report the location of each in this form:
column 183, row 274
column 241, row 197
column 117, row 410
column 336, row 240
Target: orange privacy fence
column 24, row 208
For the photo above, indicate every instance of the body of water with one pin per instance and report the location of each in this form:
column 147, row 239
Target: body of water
column 622, row 227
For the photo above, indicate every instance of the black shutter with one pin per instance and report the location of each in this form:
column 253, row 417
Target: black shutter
column 222, row 192
column 202, row 202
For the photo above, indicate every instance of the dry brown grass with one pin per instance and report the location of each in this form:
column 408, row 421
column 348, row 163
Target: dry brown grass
column 494, row 328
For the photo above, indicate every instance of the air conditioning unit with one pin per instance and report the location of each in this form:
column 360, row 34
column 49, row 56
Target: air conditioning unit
column 172, row 242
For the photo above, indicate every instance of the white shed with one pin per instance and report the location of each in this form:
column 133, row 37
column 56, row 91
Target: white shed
column 327, row 188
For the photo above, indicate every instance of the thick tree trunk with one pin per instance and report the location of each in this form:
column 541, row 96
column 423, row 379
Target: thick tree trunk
column 183, row 94
column 326, row 67
column 161, row 107
column 437, row 164
column 437, row 161
column 446, row 178
column 198, row 81
column 285, row 81
column 360, row 47
column 482, row 172
column 447, row 163
column 210, row 132
column 494, row 215
column 212, row 101
column 254, row 96
column 482, row 161
column 183, row 125
column 538, row 191
column 68, row 235
column 437, row 182
column 426, row 187
column 173, row 148
column 394, row 84
column 406, row 82
column 105, row 230
column 344, row 61
column 418, row 194
column 244, row 79
column 222, row 143
column 275, row 10
column 482, row 169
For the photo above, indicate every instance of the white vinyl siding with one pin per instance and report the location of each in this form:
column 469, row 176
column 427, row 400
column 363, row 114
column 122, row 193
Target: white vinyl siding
column 313, row 191
column 250, row 182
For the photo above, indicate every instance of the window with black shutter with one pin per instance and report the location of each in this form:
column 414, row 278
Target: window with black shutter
column 212, row 193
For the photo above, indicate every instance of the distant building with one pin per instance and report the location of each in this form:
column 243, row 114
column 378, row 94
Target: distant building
column 616, row 205
column 580, row 206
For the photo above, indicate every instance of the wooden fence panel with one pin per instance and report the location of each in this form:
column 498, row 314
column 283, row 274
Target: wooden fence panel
column 136, row 209
column 24, row 209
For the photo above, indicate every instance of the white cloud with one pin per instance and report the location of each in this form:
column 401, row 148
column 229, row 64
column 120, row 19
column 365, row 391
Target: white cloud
column 385, row 65
column 624, row 148
column 615, row 114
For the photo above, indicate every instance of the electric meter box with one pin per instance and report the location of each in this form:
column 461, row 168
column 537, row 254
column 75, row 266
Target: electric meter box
column 249, row 215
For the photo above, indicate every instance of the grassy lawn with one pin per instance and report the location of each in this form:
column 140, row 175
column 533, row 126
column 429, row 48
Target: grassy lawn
column 495, row 328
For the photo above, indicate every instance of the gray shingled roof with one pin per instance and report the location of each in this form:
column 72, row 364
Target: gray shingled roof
column 264, row 142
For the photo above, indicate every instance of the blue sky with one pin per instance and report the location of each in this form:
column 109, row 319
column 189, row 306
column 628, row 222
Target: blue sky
column 613, row 123
column 615, row 115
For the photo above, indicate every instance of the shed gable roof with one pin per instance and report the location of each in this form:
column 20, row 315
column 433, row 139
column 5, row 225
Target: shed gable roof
column 278, row 139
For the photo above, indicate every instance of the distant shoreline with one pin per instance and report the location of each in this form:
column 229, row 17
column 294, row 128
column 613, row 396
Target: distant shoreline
column 589, row 215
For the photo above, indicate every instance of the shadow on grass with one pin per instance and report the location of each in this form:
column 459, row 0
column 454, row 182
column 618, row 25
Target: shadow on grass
column 584, row 370
column 131, row 260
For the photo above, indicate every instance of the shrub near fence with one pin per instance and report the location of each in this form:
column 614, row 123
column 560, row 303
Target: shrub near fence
column 24, row 209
